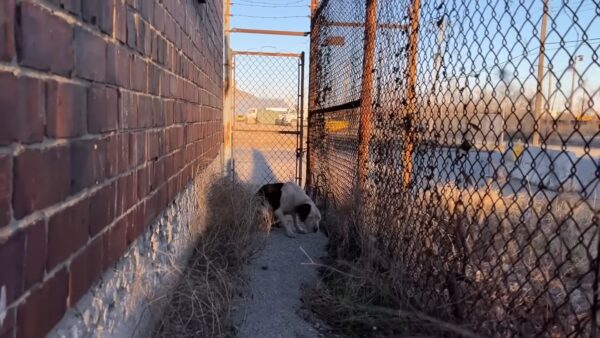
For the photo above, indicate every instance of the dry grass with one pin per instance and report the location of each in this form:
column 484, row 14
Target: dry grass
column 455, row 261
column 201, row 304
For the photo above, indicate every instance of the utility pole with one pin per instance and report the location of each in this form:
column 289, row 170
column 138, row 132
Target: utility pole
column 540, row 75
column 576, row 58
column 366, row 95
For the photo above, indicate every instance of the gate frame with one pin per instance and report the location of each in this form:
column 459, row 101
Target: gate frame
column 300, row 106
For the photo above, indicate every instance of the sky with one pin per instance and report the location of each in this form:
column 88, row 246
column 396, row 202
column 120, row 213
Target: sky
column 499, row 41
column 268, row 77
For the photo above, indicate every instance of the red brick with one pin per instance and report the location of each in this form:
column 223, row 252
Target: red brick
column 21, row 109
column 123, row 160
column 88, row 164
column 118, row 61
column 90, row 55
column 115, row 241
column 158, row 115
column 152, row 145
column 84, row 270
column 5, row 189
column 128, row 110
column 136, row 224
column 168, row 112
column 106, row 21
column 34, row 188
column 45, row 41
column 102, row 209
column 12, row 255
column 153, row 79
column 140, row 35
column 137, row 148
column 35, row 253
column 169, row 166
column 165, row 84
column 103, row 109
column 132, row 25
column 144, row 112
column 120, row 21
column 33, row 317
column 158, row 174
column 154, row 46
column 7, row 30
column 99, row 13
column 159, row 18
column 172, row 188
column 151, row 208
column 111, row 150
column 144, row 180
column 66, row 108
column 67, row 232
column 139, row 74
column 147, row 10
column 127, row 192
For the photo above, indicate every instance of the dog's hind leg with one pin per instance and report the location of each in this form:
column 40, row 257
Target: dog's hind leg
column 298, row 225
column 289, row 231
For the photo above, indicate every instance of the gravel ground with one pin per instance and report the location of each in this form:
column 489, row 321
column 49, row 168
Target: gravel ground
column 271, row 307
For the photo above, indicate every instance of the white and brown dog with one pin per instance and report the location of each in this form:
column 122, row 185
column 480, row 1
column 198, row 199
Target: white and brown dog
column 290, row 199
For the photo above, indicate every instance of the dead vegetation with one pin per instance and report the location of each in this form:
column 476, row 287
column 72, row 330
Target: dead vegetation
column 457, row 261
column 201, row 304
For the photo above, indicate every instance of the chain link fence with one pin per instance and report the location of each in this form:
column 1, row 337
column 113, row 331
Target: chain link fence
column 470, row 132
column 267, row 128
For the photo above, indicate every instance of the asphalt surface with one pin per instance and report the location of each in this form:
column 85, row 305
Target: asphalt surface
column 271, row 304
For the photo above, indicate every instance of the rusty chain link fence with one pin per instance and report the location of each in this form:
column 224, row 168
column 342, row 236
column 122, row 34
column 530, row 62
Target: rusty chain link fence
column 267, row 133
column 470, row 132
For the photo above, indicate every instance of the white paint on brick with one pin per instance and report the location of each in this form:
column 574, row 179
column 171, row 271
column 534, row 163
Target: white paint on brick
column 127, row 299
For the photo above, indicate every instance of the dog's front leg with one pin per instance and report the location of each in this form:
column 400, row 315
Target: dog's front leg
column 298, row 225
column 288, row 229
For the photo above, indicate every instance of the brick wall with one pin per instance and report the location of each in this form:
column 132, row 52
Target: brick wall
column 108, row 108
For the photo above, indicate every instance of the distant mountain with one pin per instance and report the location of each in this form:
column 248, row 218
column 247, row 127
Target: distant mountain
column 245, row 101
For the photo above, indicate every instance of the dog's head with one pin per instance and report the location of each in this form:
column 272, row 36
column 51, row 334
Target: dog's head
column 309, row 215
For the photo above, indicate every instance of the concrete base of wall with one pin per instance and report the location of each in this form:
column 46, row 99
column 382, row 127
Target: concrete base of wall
column 127, row 300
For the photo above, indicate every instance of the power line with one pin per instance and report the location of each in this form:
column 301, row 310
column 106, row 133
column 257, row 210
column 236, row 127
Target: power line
column 270, row 17
column 270, row 6
column 271, row 3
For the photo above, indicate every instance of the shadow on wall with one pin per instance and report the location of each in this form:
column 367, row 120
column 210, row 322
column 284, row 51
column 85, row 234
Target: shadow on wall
column 261, row 171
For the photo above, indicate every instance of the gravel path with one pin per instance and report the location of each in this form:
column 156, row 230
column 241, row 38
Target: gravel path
column 270, row 306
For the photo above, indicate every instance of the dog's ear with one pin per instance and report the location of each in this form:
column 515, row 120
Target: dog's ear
column 303, row 210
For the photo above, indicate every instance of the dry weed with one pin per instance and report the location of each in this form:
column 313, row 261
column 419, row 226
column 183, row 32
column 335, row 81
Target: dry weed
column 457, row 261
column 201, row 304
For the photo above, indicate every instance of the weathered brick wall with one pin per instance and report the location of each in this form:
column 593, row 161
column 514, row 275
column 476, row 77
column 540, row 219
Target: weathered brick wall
column 108, row 108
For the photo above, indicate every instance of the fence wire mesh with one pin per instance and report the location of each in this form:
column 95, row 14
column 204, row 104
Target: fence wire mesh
column 471, row 131
column 267, row 132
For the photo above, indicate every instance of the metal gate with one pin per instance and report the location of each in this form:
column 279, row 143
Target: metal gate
column 268, row 117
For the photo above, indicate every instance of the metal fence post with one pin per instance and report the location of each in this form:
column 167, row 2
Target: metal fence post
column 313, row 88
column 300, row 125
column 228, row 97
column 366, row 95
column 540, row 78
column 409, row 119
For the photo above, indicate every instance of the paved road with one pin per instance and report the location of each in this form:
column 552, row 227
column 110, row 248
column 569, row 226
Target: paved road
column 269, row 308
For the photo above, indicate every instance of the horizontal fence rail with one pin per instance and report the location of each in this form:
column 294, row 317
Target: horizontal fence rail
column 467, row 133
